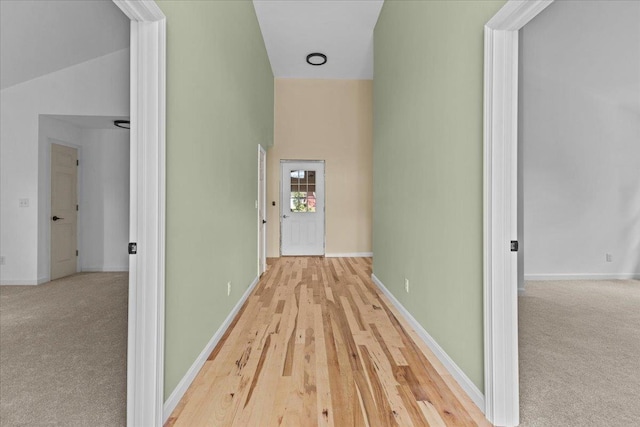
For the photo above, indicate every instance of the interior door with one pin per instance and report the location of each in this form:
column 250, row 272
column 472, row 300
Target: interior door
column 262, row 204
column 302, row 208
column 64, row 215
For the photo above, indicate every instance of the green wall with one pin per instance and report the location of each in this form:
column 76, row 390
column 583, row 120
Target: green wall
column 428, row 167
column 219, row 108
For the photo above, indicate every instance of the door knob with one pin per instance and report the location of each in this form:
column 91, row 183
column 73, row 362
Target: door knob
column 55, row 218
column 285, row 216
column 264, row 221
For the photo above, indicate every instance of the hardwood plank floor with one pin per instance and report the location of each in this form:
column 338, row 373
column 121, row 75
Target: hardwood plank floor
column 316, row 344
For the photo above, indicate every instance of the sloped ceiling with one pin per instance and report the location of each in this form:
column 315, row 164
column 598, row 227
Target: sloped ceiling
column 40, row 37
column 341, row 29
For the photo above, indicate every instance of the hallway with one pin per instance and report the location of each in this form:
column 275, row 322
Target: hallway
column 317, row 344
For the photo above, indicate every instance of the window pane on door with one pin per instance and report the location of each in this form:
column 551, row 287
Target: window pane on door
column 303, row 191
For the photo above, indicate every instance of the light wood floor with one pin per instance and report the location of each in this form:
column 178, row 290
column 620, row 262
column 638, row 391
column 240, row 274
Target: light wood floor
column 317, row 344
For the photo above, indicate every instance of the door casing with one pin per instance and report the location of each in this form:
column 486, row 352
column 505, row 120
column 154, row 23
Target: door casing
column 501, row 385
column 145, row 350
column 262, row 210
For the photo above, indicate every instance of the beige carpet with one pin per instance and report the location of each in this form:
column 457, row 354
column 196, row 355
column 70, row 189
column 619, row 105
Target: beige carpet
column 63, row 352
column 580, row 353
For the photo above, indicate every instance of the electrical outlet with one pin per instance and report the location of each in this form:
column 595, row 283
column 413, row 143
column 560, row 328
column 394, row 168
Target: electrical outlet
column 23, row 203
column 1, row 260
column 609, row 258
column 406, row 284
column 228, row 288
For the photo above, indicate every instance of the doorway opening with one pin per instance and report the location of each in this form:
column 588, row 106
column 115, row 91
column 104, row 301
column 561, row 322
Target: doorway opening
column 88, row 210
column 578, row 214
column 77, row 323
column 500, row 208
column 54, row 89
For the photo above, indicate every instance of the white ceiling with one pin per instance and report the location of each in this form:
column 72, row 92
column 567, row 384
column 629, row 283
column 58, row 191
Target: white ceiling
column 89, row 122
column 341, row 29
column 39, row 37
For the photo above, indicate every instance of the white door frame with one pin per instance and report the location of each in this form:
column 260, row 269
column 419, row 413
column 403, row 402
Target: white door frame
column 262, row 203
column 501, row 385
column 145, row 358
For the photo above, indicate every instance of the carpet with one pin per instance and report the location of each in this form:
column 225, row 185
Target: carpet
column 580, row 353
column 63, row 352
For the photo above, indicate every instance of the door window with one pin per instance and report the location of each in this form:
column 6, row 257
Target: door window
column 303, row 191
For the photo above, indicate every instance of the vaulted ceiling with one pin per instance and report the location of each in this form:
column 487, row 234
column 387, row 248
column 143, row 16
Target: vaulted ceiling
column 340, row 29
column 40, row 37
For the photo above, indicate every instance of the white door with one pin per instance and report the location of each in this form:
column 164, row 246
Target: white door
column 64, row 215
column 302, row 208
column 262, row 205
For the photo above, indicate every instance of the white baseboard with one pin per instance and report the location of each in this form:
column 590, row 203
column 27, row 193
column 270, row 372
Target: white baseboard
column 41, row 280
column 10, row 282
column 461, row 378
column 521, row 292
column 596, row 276
column 350, row 255
column 105, row 269
column 173, row 400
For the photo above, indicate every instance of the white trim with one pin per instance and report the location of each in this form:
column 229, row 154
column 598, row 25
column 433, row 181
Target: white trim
column 577, row 276
column 141, row 10
column 262, row 190
column 500, row 298
column 107, row 269
column 193, row 371
column 350, row 255
column 461, row 378
column 9, row 282
column 500, row 208
column 145, row 358
column 515, row 14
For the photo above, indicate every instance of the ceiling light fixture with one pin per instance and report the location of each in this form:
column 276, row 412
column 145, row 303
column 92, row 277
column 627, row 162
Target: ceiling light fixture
column 316, row 59
column 124, row 124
